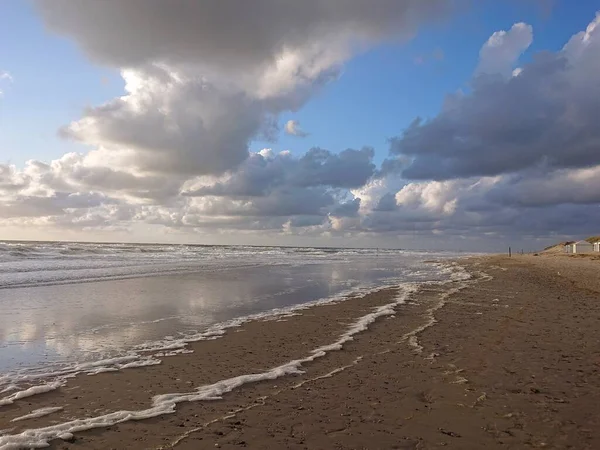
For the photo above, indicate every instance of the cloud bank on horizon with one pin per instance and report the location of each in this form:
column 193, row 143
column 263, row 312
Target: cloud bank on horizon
column 517, row 155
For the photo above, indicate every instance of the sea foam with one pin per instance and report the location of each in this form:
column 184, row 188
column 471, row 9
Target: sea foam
column 39, row 413
column 167, row 403
column 34, row 390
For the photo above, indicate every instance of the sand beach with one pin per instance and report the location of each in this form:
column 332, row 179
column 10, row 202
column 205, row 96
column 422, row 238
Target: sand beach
column 507, row 359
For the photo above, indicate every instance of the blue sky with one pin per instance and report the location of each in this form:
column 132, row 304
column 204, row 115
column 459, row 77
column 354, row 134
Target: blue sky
column 53, row 83
column 382, row 91
column 169, row 161
column 378, row 95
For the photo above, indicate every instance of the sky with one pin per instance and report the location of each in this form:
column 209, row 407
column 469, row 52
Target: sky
column 432, row 124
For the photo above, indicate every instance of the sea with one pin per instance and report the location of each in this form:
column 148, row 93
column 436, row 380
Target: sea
column 67, row 308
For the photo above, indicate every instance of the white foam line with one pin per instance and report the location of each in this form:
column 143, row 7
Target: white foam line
column 10, row 387
column 164, row 346
column 328, row 374
column 70, row 371
column 464, row 277
column 259, row 402
column 412, row 336
column 106, row 362
column 214, row 332
column 102, row 370
column 166, row 403
column 91, row 368
column 230, row 415
column 39, row 413
column 220, row 329
column 144, row 363
column 281, row 318
column 179, row 351
column 413, row 342
column 34, row 390
column 126, row 362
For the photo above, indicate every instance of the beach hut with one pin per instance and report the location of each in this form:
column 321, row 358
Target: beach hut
column 568, row 248
column 597, row 246
column 582, row 247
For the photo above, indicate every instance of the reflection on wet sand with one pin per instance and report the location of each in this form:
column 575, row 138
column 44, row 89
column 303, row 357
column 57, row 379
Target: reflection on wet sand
column 87, row 321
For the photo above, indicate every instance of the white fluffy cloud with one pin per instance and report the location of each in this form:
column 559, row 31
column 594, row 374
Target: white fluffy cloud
column 200, row 85
column 5, row 77
column 545, row 117
column 203, row 79
column 517, row 154
column 172, row 123
column 502, row 50
column 292, row 127
column 503, row 206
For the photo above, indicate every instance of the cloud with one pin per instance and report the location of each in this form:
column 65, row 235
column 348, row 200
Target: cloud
column 227, row 33
column 5, row 77
column 347, row 209
column 513, row 156
column 507, row 207
column 292, row 127
column 386, row 203
column 502, row 50
column 11, row 179
column 542, row 118
column 172, row 123
column 201, row 84
column 436, row 55
column 279, row 190
column 264, row 172
column 516, row 72
column 267, row 191
column 575, row 187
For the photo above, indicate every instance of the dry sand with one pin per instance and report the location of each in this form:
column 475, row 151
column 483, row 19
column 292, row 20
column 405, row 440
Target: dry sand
column 513, row 362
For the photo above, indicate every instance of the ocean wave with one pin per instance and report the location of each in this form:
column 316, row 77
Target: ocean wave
column 41, row 264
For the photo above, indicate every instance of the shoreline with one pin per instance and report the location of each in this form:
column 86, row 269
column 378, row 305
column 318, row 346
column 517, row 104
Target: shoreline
column 147, row 353
column 372, row 303
column 59, row 325
column 401, row 369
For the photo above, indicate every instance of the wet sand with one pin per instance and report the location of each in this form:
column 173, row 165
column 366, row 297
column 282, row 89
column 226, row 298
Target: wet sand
column 510, row 359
